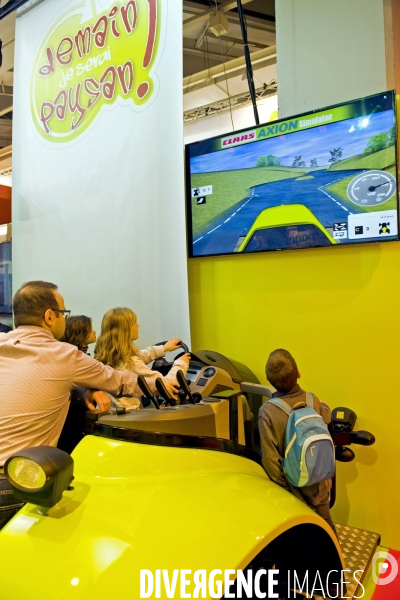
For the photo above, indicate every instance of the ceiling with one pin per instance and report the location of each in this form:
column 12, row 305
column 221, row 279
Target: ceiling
column 7, row 35
column 210, row 78
column 204, row 52
column 260, row 17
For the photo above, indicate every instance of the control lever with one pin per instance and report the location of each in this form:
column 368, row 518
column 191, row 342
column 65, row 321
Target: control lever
column 344, row 454
column 144, row 386
column 184, row 385
column 182, row 397
column 343, row 419
column 162, row 390
column 363, row 438
column 343, row 434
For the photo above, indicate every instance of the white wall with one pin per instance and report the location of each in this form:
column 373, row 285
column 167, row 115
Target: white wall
column 6, row 180
column 328, row 52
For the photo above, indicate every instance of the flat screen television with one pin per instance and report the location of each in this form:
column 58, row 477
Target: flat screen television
column 324, row 178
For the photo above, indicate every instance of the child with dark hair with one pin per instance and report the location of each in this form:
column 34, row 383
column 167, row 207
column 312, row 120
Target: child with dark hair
column 282, row 372
column 79, row 332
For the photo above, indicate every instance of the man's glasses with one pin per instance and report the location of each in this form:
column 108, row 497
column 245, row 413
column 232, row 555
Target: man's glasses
column 64, row 312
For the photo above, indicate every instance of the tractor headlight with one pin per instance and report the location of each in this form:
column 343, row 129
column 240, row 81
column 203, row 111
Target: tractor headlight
column 26, row 473
column 39, row 475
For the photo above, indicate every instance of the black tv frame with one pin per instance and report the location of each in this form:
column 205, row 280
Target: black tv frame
column 269, row 124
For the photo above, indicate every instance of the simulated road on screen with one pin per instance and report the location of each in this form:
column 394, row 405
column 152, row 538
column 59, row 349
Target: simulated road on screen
column 221, row 236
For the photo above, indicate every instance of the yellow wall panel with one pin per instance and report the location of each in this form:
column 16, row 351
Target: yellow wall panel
column 336, row 310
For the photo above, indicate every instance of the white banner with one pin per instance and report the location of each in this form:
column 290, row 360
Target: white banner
column 98, row 198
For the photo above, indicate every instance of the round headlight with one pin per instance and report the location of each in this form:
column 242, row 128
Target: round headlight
column 26, row 473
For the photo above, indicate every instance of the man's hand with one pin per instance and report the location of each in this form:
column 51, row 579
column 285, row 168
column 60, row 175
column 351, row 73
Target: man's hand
column 93, row 397
column 172, row 344
column 185, row 358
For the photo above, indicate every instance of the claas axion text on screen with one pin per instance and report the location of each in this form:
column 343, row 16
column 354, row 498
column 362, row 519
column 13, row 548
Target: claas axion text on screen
column 276, row 129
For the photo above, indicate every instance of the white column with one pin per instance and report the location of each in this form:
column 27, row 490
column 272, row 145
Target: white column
column 329, row 52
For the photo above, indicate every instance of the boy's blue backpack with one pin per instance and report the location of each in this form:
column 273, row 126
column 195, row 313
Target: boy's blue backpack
column 310, row 454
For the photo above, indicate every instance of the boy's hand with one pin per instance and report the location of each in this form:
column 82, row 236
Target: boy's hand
column 172, row 344
column 185, row 358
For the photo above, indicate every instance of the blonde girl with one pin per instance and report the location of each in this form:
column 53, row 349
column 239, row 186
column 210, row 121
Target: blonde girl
column 115, row 347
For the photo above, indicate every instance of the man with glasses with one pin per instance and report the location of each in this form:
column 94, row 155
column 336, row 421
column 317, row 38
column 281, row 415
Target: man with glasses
column 37, row 374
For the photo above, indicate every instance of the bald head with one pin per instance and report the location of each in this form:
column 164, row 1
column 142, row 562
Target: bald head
column 281, row 370
column 32, row 300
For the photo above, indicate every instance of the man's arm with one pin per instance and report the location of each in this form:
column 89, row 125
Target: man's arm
column 271, row 458
column 90, row 373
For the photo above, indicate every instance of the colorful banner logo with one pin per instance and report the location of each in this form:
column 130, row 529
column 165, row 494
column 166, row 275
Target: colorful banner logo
column 90, row 60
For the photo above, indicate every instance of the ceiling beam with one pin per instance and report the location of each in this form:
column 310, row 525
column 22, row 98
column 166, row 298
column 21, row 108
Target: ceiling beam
column 222, row 79
column 5, row 111
column 4, row 152
column 199, row 52
column 238, row 41
column 230, row 103
column 252, row 23
column 204, row 16
column 228, row 67
column 257, row 15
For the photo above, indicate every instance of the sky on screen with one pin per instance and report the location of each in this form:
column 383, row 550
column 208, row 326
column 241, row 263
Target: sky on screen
column 351, row 135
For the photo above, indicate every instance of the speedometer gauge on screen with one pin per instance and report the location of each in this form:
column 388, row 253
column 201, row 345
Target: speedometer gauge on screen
column 320, row 179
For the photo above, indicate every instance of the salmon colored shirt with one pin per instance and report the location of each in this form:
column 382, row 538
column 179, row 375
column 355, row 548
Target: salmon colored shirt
column 37, row 374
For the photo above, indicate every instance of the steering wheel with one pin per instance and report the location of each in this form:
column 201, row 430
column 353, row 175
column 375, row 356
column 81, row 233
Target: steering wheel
column 185, row 350
column 163, row 366
column 182, row 344
column 184, row 347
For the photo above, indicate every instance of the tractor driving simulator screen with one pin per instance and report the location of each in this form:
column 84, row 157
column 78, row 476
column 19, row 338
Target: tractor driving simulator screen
column 320, row 179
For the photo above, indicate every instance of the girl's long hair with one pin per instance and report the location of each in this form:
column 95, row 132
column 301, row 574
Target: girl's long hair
column 77, row 330
column 114, row 346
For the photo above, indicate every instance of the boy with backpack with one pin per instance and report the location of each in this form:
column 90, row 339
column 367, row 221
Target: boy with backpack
column 297, row 449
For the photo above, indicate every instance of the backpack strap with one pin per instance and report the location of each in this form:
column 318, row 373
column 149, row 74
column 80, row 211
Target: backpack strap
column 281, row 404
column 310, row 401
column 299, row 405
